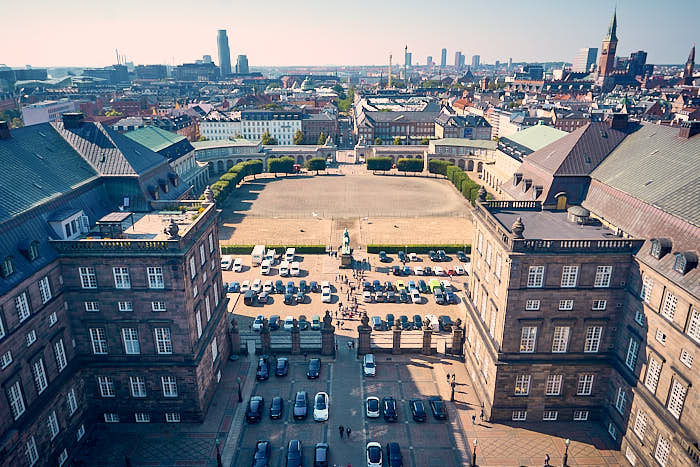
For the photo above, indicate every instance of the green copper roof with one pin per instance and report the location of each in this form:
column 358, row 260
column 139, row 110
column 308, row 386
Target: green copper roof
column 612, row 30
column 154, row 138
column 470, row 143
column 536, row 137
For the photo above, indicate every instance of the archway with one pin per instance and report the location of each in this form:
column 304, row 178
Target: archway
column 452, row 161
column 210, row 166
column 238, row 161
column 470, row 165
column 460, row 164
column 220, row 166
column 229, row 164
column 300, row 159
column 479, row 167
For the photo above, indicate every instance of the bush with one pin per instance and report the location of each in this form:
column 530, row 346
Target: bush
column 409, row 164
column 423, row 248
column 379, row 163
column 247, row 249
column 436, row 166
column 316, row 163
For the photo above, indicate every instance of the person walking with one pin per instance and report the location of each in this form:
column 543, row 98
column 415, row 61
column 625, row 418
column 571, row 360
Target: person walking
column 481, row 415
column 348, row 431
column 546, row 460
column 448, row 377
column 473, row 419
column 341, row 430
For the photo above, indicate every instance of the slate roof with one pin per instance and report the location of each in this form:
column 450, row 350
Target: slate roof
column 37, row 165
column 461, row 120
column 659, row 167
column 398, row 117
column 536, row 137
column 154, row 138
column 108, row 151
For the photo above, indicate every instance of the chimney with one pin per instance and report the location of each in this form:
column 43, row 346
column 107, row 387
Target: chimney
column 687, row 131
column 4, row 129
column 617, row 121
column 72, row 119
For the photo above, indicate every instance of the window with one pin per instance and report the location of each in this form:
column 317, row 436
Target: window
column 63, row 457
column 111, row 418
column 193, row 271
column 553, row 386
column 2, row 329
column 6, row 359
column 612, row 430
column 527, row 339
column 632, row 352
column 497, row 269
column 639, row 317
column 647, row 286
column 81, row 432
column 121, row 278
column 580, row 415
column 602, row 276
column 45, row 290
column 131, row 341
column 155, row 278
column 535, row 276
column 489, row 253
column 204, row 276
column 676, row 399
column 669, row 308
column 8, row 266
column 195, row 291
column 142, row 417
column 88, row 278
column 694, row 325
column 32, row 453
column 72, row 402
column 99, row 341
column 31, row 337
column 519, row 415
column 660, row 337
column 53, row 319
column 138, row 386
column 593, row 334
column 126, row 306
column 661, row 451
column 172, row 417
column 599, row 305
column 686, row 358
column 198, row 321
column 60, row 353
column 216, row 298
column 621, row 400
column 653, row 372
column 561, row 339
column 106, row 386
column 39, row 374
column 640, row 424
column 158, row 306
column 532, row 305
column 52, row 423
column 14, row 395
column 163, row 342
column 480, row 244
column 214, row 351
column 208, row 307
column 169, row 386
column 22, row 306
column 522, row 385
column 585, row 385
column 92, row 306
column 550, row 415
column 202, row 256
column 569, row 275
column 630, row 456
column 566, row 304
column 211, row 242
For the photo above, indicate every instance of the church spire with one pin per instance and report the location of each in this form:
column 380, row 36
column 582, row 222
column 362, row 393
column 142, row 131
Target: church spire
column 612, row 30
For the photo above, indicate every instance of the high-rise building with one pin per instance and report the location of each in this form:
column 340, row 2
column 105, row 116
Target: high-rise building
column 459, row 60
column 607, row 53
column 476, row 60
column 510, row 62
column 585, row 60
column 635, row 66
column 689, row 65
column 224, row 53
column 429, row 61
column 242, row 64
column 443, row 58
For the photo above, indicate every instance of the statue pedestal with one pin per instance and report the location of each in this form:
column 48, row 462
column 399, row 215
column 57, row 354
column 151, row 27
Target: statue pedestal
column 346, row 260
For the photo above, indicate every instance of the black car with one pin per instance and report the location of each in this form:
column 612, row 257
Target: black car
column 303, row 323
column 403, row 296
column 314, row 286
column 274, row 322
column 390, row 320
column 262, row 453
column 383, row 257
column 290, row 287
column 427, row 271
column 445, row 323
column 263, row 369
column 417, row 321
column 255, row 409
column 288, row 299
column 393, row 455
column 417, row 410
column 301, row 403
column 389, row 409
column 279, row 287
column 442, row 255
column 376, row 286
column 388, row 286
column 282, row 367
column 405, row 324
column 321, row 455
column 314, row 368
column 438, row 408
column 433, row 256
column 395, row 270
column 402, row 256
column 366, row 286
column 276, row 408
column 294, row 454
column 461, row 256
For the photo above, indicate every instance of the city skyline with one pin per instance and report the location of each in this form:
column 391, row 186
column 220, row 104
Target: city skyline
column 527, row 35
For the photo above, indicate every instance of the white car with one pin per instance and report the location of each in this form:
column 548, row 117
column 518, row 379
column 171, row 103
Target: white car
column 372, row 407
column 418, row 270
column 238, row 265
column 288, row 323
column 295, row 269
column 459, row 270
column 257, row 323
column 326, row 295
column 325, row 285
column 374, row 454
column 226, row 262
column 267, row 286
column 321, row 402
column 265, row 268
column 289, row 254
column 413, row 257
column 367, row 296
column 415, row 296
column 257, row 286
column 245, row 286
column 438, row 271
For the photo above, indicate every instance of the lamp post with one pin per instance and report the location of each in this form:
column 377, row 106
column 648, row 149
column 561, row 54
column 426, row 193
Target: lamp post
column 566, row 452
column 474, row 454
column 218, row 454
column 240, row 396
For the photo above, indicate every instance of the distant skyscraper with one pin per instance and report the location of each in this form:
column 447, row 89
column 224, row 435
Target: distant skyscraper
column 688, row 70
column 476, row 60
column 498, row 63
column 242, row 64
column 510, row 63
column 607, row 54
column 407, row 57
column 443, row 58
column 585, row 60
column 224, row 53
column 458, row 59
column 429, row 61
column 635, row 66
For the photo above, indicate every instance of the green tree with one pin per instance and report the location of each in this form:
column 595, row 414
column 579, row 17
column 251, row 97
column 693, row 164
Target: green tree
column 341, row 92
column 202, row 138
column 113, row 113
column 425, row 141
column 409, row 164
column 344, row 105
column 267, row 139
column 321, row 139
column 378, row 141
column 379, row 163
column 396, row 141
column 298, row 137
column 316, row 163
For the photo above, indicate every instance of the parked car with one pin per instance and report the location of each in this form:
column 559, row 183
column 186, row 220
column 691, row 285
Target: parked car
column 274, row 322
column 422, row 286
column 405, row 324
column 377, row 323
column 261, row 458
column 267, row 286
column 403, row 296
column 288, row 299
column 418, row 271
column 400, row 285
column 461, row 257
column 439, row 296
column 402, row 256
column 301, row 298
column 321, row 403
column 442, row 255
column 263, row 297
column 279, row 286
column 303, row 323
column 450, row 297
column 321, row 455
column 368, row 367
column 226, row 262
column 389, row 409
column 366, row 286
column 377, row 286
column 432, row 256
column 313, row 285
column 302, row 286
column 417, row 410
column 315, row 323
column 389, row 320
column 379, row 297
column 438, row 408
column 390, row 296
column 282, row 366
column 388, row 286
column 406, row 271
column 257, row 323
column 417, row 322
column 326, row 296
column 300, row 405
column 439, row 271
column 265, row 267
column 256, row 404
column 393, row 454
column 263, row 371
column 396, row 270
column 237, row 265
column 445, row 323
column 374, row 454
column 383, row 257
column 245, row 286
column 427, row 271
column 372, row 407
column 314, row 368
column 295, row 269
column 415, row 296
column 256, row 286
column 459, row 270
column 367, row 296
column 276, row 408
column 290, row 287
column 288, row 323
column 413, row 257
column 234, row 287
column 294, row 454
column 249, row 298
column 290, row 254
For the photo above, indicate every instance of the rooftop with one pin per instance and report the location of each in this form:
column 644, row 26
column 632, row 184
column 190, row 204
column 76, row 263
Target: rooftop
column 154, row 138
column 536, row 137
column 549, row 225
column 224, row 143
column 470, row 143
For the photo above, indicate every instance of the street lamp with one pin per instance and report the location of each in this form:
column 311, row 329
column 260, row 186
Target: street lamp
column 474, row 454
column 218, row 454
column 240, row 396
column 566, row 451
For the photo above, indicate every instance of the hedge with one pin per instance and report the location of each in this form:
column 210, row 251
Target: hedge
column 449, row 248
column 247, row 249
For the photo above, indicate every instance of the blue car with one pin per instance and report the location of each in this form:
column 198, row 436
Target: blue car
column 406, row 271
column 290, row 287
column 412, row 285
column 234, row 287
column 302, row 286
column 279, row 286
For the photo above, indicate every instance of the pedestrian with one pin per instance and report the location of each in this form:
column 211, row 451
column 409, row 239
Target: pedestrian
column 473, row 419
column 348, row 431
column 546, row 460
column 448, row 377
column 453, row 377
column 481, row 415
column 341, row 429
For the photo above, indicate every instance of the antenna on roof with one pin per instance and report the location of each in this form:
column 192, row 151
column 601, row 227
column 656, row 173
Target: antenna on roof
column 116, row 51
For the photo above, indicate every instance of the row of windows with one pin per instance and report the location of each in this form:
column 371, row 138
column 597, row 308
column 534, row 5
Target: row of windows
column 142, row 417
column 560, row 339
column 663, row 447
column 124, row 306
column 137, row 386
column 549, row 415
column 88, row 277
column 22, row 303
column 569, row 276
column 566, row 305
column 669, row 306
column 553, row 386
column 163, row 341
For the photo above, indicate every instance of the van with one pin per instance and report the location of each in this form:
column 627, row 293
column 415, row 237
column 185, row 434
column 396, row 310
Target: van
column 265, row 267
column 295, row 270
column 257, row 255
column 289, row 254
column 368, row 367
column 226, row 262
column 270, row 256
column 284, row 269
column 249, row 298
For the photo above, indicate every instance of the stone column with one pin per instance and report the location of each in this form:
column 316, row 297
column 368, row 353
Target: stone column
column 296, row 338
column 396, row 340
column 457, row 337
column 364, row 332
column 327, row 335
column 265, row 338
column 427, row 338
column 234, row 337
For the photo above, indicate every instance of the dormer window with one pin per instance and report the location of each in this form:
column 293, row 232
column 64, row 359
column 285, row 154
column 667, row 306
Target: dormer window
column 33, row 251
column 684, row 262
column 8, row 266
column 659, row 247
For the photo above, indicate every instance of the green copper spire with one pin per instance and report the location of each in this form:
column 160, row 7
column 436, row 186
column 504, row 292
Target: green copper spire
column 612, row 30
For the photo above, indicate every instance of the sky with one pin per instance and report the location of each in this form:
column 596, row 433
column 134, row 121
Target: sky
column 332, row 32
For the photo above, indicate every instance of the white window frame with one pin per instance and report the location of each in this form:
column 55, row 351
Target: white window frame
column 207, row 306
column 647, row 287
column 603, row 274
column 560, row 340
column 198, row 322
column 52, row 423
column 45, row 290
column 535, row 277
column 60, row 353
column 130, row 339
column 580, row 415
column 172, row 417
column 663, row 447
column 16, row 400
column 686, row 358
column 593, row 336
column 621, row 400
column 550, row 415
column 53, row 319
column 694, row 325
column 639, row 317
column 569, row 276
column 585, row 384
column 522, row 385
column 612, row 430
column 668, row 311
column 216, row 294
column 676, row 398
column 519, row 415
column 31, row 337
column 195, row 291
column 63, row 457
column 214, row 351
column 5, row 360
column 660, row 337
column 22, row 306
column 31, row 452
column 532, row 305
column 553, row 385
column 155, row 277
column 98, row 339
column 164, row 344
column 142, row 417
column 630, row 456
column 106, row 385
column 640, row 424
column 111, row 417
column 599, row 305
column 39, row 374
column 202, row 255
column 122, row 280
column 193, row 269
column 71, row 401
column 528, row 339
column 92, row 307
column 158, row 306
column 169, row 385
column 125, row 306
column 566, row 304
column 632, row 353
column 88, row 277
column 80, row 433
column 211, row 242
column 137, row 386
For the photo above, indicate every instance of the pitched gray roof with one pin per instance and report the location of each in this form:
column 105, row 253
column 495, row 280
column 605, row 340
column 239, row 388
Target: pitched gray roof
column 398, row 117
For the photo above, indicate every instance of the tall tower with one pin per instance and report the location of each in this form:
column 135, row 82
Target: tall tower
column 607, row 54
column 688, row 70
column 224, row 53
column 405, row 66
column 389, row 85
column 443, row 58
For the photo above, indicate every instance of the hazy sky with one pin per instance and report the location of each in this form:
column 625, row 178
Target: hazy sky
column 354, row 32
